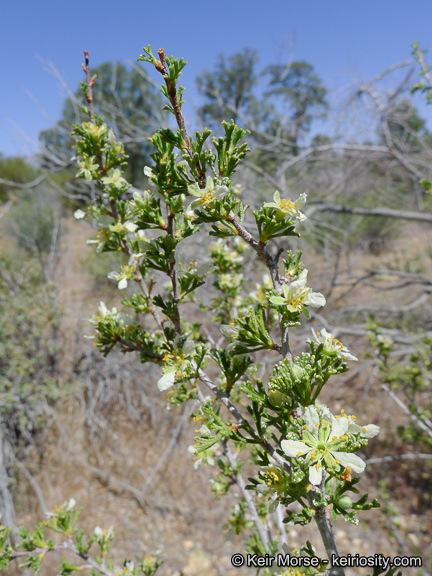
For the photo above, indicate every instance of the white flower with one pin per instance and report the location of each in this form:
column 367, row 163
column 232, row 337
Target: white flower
column 288, row 207
column 148, row 171
column 88, row 167
column 65, row 507
column 166, row 381
column 205, row 269
column 95, row 130
column 323, row 437
column 297, row 294
column 79, row 214
column 369, row 431
column 177, row 362
column 205, row 456
column 104, row 313
column 115, row 178
column 207, row 195
column 126, row 272
column 121, row 281
column 192, row 267
column 102, row 536
column 131, row 226
column 332, row 346
column 189, row 215
column 274, row 484
column 70, row 505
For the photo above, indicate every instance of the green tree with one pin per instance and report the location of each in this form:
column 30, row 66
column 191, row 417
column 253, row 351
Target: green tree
column 228, row 89
column 14, row 169
column 35, row 225
column 302, row 94
column 406, row 126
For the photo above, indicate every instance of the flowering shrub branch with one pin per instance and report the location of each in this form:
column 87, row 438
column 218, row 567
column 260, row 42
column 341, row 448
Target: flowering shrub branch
column 34, row 546
column 303, row 462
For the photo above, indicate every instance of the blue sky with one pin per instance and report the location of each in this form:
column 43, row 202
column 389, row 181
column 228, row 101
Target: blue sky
column 342, row 39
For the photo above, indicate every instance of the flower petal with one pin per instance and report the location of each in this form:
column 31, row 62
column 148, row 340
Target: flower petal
column 300, row 282
column 369, row 431
column 167, row 380
column 122, row 284
column 346, row 355
column 294, row 448
column 326, row 414
column 220, row 191
column 300, row 202
column 354, row 428
column 347, row 459
column 188, row 347
column 79, row 214
column 131, row 226
column 339, row 427
column 315, row 475
column 315, row 299
column 312, row 419
column 300, row 216
column 148, row 171
column 205, row 269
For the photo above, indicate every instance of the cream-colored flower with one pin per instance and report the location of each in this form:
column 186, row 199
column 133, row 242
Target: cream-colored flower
column 323, row 438
column 207, row 195
column 297, row 295
column 95, row 130
column 121, row 280
column 88, row 168
column 114, row 178
column 288, row 207
column 177, row 362
column 105, row 313
column 332, row 346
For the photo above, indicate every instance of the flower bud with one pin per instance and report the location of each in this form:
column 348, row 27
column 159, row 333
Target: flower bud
column 345, row 502
column 297, row 372
column 276, row 397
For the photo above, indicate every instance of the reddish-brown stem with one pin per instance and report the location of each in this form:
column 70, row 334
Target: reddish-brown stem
column 172, row 92
column 90, row 84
